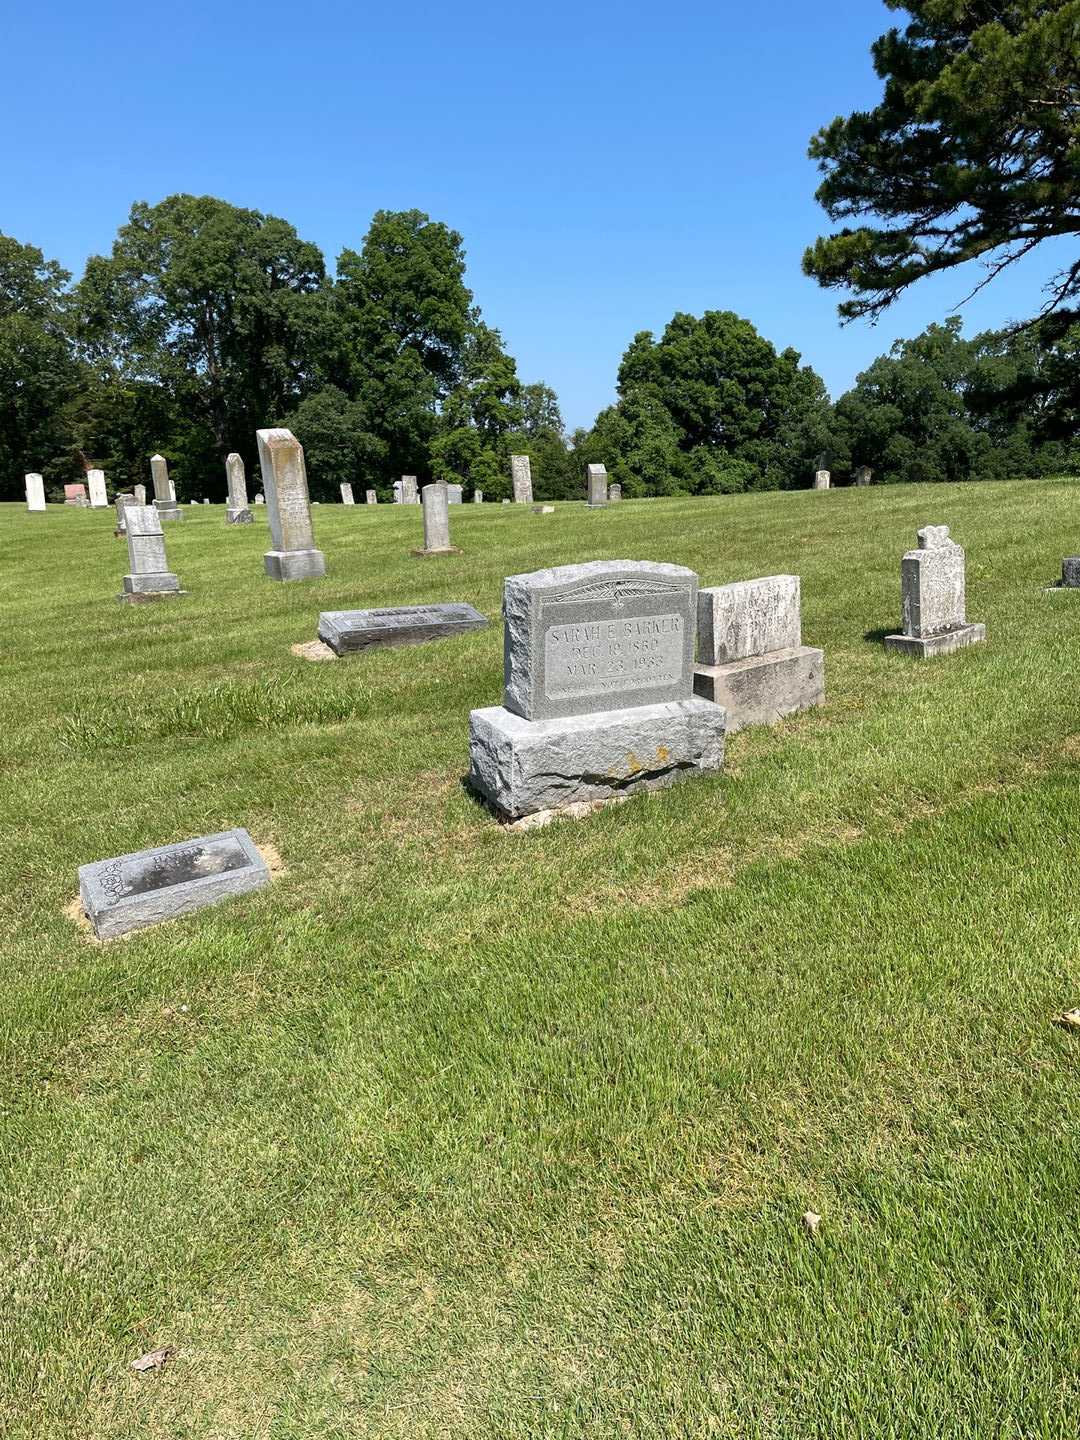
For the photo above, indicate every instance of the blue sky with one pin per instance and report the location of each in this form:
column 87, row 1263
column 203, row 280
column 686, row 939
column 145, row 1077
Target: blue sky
column 607, row 164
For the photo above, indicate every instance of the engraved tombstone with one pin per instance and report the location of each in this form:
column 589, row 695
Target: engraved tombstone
column 863, row 475
column 346, row 493
column 409, row 494
column 751, row 658
column 164, row 489
column 150, row 577
column 598, row 664
column 371, row 497
column 614, row 493
column 477, row 497
column 933, row 598
column 292, row 555
column 822, row 480
column 260, row 498
column 521, row 479
column 236, row 510
column 99, row 496
column 35, row 492
column 453, row 494
column 75, row 495
column 596, row 486
column 347, row 631
column 436, row 503
column 139, row 492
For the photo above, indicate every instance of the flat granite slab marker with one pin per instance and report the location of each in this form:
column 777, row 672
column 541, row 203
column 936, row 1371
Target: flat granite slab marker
column 347, row 631
column 149, row 886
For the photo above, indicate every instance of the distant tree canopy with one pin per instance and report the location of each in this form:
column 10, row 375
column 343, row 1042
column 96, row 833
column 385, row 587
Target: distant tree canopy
column 974, row 151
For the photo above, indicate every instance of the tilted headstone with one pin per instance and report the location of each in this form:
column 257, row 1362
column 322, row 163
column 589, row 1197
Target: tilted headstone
column 454, row 494
column 139, row 491
column 822, row 480
column 751, row 658
column 614, row 493
column 75, row 495
column 99, row 495
column 346, row 493
column 164, row 489
column 863, row 475
column 436, row 503
column 409, row 494
column 346, row 631
column 149, row 886
column 122, row 502
column 521, row 479
column 35, row 492
column 236, row 508
column 150, row 576
column 598, row 662
column 477, row 497
column 292, row 555
column 371, row 497
column 933, row 598
column 596, row 483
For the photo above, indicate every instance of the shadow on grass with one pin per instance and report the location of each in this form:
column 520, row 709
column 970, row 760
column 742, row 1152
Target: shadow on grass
column 875, row 637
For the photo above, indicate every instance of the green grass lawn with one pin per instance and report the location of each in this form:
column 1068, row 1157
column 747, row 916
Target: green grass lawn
column 458, row 1132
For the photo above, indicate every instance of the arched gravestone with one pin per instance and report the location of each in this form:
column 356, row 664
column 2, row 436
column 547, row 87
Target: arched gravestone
column 598, row 665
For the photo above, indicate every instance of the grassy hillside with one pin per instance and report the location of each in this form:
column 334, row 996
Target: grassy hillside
column 459, row 1132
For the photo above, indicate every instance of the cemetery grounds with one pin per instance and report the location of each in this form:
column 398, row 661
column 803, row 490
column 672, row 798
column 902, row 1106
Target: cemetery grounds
column 459, row 1132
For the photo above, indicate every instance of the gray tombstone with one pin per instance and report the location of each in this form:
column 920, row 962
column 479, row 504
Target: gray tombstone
column 863, row 475
column 150, row 577
column 933, row 598
column 35, row 492
column 139, row 492
column 436, row 502
column 822, row 480
column 521, row 479
column 409, row 494
column 614, row 493
column 477, row 497
column 122, row 502
column 236, row 509
column 453, row 494
column 371, row 497
column 751, row 658
column 1070, row 573
column 347, row 631
column 398, row 492
column 596, row 483
column 346, row 493
column 149, row 886
column 292, row 555
column 164, row 489
column 598, row 663
column 99, row 495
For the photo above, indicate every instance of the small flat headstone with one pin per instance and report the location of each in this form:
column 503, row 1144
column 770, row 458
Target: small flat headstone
column 149, row 886
column 349, row 630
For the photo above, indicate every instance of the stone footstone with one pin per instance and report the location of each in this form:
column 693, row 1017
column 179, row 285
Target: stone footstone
column 347, row 631
column 292, row 555
column 149, row 886
column 522, row 766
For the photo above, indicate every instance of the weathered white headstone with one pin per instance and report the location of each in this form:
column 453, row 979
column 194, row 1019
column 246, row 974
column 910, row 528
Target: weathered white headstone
column 150, row 576
column 35, row 492
column 863, row 475
column 409, row 494
column 372, row 497
column 164, row 489
column 436, row 521
column 122, row 502
column 822, row 480
column 598, row 701
column 99, row 496
column 597, row 486
column 293, row 555
column 521, row 479
column 453, row 494
column 260, row 498
column 614, row 493
column 477, row 497
column 236, row 508
column 933, row 598
column 346, row 493
column 139, row 491
column 750, row 651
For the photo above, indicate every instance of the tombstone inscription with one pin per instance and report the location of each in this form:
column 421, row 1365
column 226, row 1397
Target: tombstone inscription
column 347, row 631
column 292, row 555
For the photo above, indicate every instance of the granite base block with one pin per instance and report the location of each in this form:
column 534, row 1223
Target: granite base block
column 523, row 766
column 929, row 646
column 762, row 689
column 295, row 564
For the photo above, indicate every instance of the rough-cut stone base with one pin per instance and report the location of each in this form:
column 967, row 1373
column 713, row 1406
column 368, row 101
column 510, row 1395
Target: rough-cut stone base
column 760, row 690
column 928, row 647
column 427, row 554
column 163, row 582
column 295, row 564
column 168, row 510
column 240, row 517
column 523, row 766
column 1070, row 572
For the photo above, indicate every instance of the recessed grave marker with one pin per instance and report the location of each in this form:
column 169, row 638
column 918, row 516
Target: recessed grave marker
column 750, row 652
column 933, row 598
column 150, row 577
column 521, row 479
column 598, row 700
column 346, row 631
column 293, row 555
column 35, row 492
column 149, row 886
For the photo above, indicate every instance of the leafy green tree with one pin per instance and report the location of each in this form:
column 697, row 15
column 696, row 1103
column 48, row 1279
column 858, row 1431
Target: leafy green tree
column 37, row 371
column 974, row 150
column 228, row 310
column 339, row 445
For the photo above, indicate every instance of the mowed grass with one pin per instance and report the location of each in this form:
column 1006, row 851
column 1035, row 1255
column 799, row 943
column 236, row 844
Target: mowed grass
column 455, row 1132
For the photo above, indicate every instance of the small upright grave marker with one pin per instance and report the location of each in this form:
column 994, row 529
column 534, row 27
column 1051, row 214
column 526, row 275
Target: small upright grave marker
column 477, row 497
column 933, row 598
column 99, row 496
column 598, row 700
column 597, row 486
column 436, row 503
column 750, row 652
column 371, row 497
column 150, row 577
column 164, row 489
column 346, row 493
column 236, row 509
column 863, row 475
column 453, row 494
column 822, row 480
column 35, row 492
column 293, row 555
column 75, row 495
column 408, row 490
column 521, row 479
column 122, row 502
column 139, row 491
column 149, row 886
column 614, row 493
